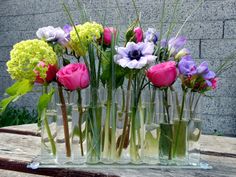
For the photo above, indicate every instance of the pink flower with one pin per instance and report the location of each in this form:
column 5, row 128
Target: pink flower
column 214, row 83
column 138, row 34
column 50, row 73
column 74, row 76
column 108, row 31
column 163, row 74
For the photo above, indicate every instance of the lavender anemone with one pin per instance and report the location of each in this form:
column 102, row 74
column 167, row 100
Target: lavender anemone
column 135, row 56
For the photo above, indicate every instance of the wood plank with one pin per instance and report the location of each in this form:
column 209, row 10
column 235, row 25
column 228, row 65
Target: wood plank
column 28, row 129
column 18, row 150
column 218, row 144
column 8, row 173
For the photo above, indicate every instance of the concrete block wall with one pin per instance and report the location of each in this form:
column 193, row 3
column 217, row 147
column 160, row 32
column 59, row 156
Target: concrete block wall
column 211, row 32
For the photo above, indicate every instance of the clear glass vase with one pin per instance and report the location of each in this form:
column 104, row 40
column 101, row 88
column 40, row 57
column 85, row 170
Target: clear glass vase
column 194, row 127
column 166, row 108
column 150, row 129
column 64, row 132
column 48, row 120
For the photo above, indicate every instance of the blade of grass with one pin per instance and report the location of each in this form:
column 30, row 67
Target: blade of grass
column 190, row 15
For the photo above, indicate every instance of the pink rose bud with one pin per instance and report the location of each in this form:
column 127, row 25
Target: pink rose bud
column 214, row 83
column 138, row 34
column 163, row 74
column 108, row 31
column 50, row 73
column 74, row 76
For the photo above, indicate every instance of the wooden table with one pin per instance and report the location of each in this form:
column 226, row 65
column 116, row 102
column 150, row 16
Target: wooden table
column 20, row 144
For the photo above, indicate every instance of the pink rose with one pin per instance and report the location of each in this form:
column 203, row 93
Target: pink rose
column 108, row 31
column 163, row 74
column 74, row 76
column 50, row 74
column 138, row 34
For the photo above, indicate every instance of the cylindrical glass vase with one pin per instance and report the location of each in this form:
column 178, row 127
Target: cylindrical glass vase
column 65, row 103
column 48, row 120
column 194, row 127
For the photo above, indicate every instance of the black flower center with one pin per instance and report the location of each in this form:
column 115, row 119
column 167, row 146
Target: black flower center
column 135, row 55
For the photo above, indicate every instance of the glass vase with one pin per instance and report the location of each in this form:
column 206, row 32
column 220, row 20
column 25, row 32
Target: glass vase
column 194, row 127
column 180, row 150
column 166, row 109
column 150, row 130
column 48, row 120
column 65, row 103
column 93, row 117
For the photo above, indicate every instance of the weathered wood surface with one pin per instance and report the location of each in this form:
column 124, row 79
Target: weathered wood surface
column 19, row 145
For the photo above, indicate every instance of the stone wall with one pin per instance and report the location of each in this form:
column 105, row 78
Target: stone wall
column 211, row 32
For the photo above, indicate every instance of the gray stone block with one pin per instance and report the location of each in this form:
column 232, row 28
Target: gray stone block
column 10, row 38
column 217, row 49
column 50, row 19
column 17, row 23
column 16, row 7
column 219, row 106
column 5, row 53
column 222, row 125
column 3, row 69
column 219, row 10
column 230, row 29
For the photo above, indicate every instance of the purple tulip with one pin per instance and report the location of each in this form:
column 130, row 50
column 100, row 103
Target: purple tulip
column 67, row 29
column 151, row 35
column 203, row 70
column 176, row 44
column 187, row 66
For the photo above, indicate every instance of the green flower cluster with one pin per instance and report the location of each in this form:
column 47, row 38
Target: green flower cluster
column 87, row 33
column 25, row 57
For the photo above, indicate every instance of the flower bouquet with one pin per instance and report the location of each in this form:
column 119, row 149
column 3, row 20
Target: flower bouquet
column 108, row 101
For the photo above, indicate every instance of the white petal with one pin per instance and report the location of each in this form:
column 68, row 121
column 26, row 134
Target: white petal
column 123, row 62
column 117, row 57
column 148, row 48
column 122, row 51
column 142, row 62
column 150, row 58
column 59, row 33
column 132, row 64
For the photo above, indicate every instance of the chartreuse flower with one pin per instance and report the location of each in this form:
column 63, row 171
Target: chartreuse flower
column 87, row 33
column 25, row 57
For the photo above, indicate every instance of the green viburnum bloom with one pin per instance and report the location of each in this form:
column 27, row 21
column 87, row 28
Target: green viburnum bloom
column 87, row 33
column 26, row 55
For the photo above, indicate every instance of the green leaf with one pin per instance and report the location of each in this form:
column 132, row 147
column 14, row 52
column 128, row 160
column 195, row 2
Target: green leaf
column 120, row 72
column 130, row 36
column 44, row 100
column 16, row 91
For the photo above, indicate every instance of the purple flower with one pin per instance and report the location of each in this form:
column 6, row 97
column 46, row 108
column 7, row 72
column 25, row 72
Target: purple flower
column 176, row 44
column 164, row 43
column 51, row 34
column 67, row 29
column 151, row 35
column 135, row 56
column 187, row 66
column 203, row 70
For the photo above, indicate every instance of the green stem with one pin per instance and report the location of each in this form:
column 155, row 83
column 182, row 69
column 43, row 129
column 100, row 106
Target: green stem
column 46, row 124
column 80, row 109
column 124, row 132
column 50, row 137
column 180, row 121
column 107, row 125
column 133, row 148
column 166, row 105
